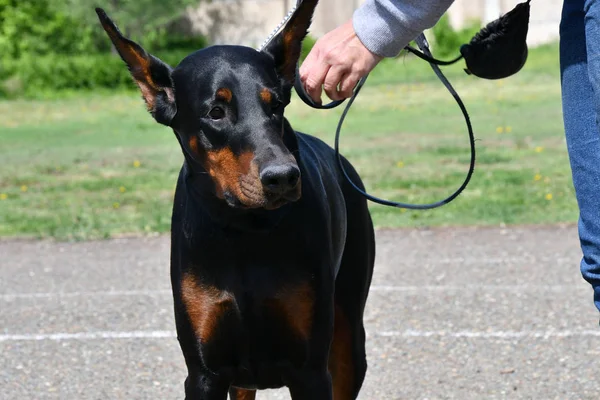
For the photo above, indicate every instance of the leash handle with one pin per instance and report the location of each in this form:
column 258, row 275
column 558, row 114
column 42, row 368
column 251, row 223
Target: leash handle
column 431, row 60
column 307, row 99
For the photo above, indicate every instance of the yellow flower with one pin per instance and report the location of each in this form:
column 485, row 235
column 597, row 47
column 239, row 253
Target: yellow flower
column 122, row 189
column 3, row 196
column 499, row 129
column 116, row 205
column 549, row 196
column 539, row 149
column 136, row 164
column 547, row 180
column 24, row 188
column 508, row 129
column 537, row 177
column 400, row 164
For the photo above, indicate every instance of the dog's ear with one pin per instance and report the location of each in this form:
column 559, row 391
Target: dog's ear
column 285, row 48
column 151, row 74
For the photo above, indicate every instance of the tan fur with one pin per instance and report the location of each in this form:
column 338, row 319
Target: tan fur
column 225, row 95
column 341, row 365
column 204, row 305
column 236, row 174
column 266, row 96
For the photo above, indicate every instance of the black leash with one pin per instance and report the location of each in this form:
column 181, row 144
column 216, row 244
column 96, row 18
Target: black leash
column 427, row 56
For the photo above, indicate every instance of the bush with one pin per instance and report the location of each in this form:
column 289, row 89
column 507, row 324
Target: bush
column 40, row 76
column 43, row 48
column 33, row 27
column 162, row 40
column 447, row 40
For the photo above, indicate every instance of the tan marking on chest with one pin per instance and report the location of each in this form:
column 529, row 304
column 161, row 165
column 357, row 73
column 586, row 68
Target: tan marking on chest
column 205, row 305
column 296, row 305
column 242, row 394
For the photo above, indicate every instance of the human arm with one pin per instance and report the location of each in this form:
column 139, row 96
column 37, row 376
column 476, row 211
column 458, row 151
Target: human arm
column 378, row 29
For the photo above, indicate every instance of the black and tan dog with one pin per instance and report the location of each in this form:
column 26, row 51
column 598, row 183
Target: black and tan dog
column 272, row 251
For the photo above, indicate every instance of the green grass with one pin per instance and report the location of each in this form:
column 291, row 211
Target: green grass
column 95, row 166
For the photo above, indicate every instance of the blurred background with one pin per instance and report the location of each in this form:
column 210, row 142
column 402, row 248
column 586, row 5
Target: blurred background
column 82, row 159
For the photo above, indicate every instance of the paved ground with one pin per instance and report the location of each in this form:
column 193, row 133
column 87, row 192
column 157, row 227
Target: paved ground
column 453, row 314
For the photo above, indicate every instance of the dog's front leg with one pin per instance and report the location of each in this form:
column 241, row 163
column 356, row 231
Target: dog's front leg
column 312, row 385
column 313, row 381
column 202, row 386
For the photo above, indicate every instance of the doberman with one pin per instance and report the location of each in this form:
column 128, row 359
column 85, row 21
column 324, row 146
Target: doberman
column 272, row 251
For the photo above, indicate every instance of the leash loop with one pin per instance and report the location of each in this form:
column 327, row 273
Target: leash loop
column 423, row 45
column 427, row 56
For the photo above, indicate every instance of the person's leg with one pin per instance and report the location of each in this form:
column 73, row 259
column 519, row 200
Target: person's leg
column 580, row 79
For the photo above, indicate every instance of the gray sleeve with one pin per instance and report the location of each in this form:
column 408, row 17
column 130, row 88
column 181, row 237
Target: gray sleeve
column 386, row 26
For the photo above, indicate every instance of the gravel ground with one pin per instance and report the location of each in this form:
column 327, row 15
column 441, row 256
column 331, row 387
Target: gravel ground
column 469, row 313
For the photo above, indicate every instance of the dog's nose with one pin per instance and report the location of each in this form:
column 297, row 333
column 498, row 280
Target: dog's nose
column 279, row 179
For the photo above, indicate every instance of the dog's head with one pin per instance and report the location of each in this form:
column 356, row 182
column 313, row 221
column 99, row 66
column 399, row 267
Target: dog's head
column 225, row 105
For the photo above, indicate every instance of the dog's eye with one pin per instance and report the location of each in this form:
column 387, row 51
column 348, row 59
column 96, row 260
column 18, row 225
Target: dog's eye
column 216, row 113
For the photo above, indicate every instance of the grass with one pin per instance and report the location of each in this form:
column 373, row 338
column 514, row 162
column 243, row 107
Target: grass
column 97, row 166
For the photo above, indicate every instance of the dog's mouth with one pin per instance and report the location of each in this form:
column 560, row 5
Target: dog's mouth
column 290, row 197
column 251, row 195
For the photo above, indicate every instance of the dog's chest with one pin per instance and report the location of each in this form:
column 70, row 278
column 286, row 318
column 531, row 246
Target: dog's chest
column 250, row 324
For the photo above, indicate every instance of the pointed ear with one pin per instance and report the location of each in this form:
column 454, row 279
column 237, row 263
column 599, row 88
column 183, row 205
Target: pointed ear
column 285, row 48
column 151, row 74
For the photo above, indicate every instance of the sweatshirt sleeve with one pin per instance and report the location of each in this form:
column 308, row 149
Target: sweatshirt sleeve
column 386, row 26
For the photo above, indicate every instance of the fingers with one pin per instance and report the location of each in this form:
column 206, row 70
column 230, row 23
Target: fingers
column 313, row 77
column 347, row 85
column 307, row 64
column 336, row 63
column 337, row 83
column 332, row 81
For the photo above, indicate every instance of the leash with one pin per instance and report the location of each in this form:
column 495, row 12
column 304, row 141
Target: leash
column 424, row 46
column 498, row 33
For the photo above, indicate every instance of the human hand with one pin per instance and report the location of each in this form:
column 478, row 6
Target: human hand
column 336, row 63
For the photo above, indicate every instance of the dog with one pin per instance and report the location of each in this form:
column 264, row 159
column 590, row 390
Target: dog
column 272, row 251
